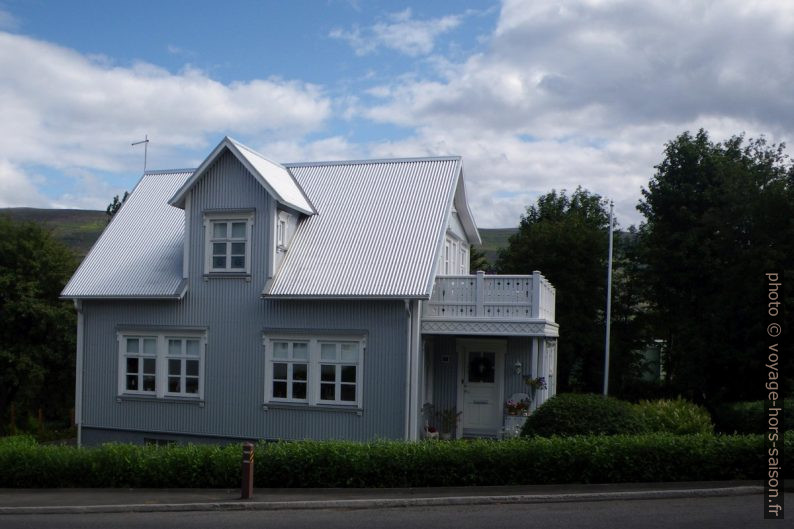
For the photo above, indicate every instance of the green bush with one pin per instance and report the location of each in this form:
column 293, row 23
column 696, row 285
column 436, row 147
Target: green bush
column 749, row 417
column 577, row 459
column 583, row 414
column 677, row 416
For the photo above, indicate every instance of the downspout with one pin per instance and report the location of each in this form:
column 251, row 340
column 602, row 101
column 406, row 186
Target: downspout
column 415, row 366
column 409, row 344
column 78, row 378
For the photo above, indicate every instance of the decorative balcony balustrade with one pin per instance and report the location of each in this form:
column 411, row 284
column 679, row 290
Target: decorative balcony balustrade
column 499, row 297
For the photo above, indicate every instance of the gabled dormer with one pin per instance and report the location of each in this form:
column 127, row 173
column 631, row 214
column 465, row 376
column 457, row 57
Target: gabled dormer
column 241, row 210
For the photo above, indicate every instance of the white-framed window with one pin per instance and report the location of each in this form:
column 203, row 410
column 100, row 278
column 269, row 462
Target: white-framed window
column 464, row 260
column 162, row 364
column 281, row 233
column 228, row 243
column 339, row 376
column 290, row 369
column 138, row 356
column 184, row 366
column 447, row 264
column 314, row 370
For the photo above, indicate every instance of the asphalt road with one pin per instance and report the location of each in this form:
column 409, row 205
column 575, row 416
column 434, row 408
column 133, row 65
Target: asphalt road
column 719, row 512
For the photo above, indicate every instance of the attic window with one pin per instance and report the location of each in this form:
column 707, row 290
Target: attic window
column 281, row 236
column 228, row 243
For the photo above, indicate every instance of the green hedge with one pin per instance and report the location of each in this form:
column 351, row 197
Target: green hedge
column 583, row 414
column 594, row 459
column 749, row 417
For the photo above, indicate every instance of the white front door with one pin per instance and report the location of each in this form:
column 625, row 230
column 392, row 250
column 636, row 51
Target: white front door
column 482, row 374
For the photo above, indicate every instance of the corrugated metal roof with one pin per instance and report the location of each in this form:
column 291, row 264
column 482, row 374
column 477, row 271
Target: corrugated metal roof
column 272, row 175
column 140, row 252
column 379, row 226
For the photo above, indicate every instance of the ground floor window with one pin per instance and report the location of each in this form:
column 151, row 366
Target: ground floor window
column 314, row 370
column 162, row 364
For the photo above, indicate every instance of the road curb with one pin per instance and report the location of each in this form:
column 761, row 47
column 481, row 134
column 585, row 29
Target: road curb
column 385, row 503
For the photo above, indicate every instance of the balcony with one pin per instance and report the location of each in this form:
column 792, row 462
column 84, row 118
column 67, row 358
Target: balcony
column 491, row 304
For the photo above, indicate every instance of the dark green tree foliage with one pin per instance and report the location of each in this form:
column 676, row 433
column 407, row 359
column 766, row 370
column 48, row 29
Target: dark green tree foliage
column 115, row 206
column 718, row 216
column 565, row 237
column 478, row 260
column 36, row 328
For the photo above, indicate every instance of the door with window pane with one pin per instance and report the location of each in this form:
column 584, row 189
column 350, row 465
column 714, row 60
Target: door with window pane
column 482, row 408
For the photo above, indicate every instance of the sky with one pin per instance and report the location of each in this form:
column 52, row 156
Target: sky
column 534, row 95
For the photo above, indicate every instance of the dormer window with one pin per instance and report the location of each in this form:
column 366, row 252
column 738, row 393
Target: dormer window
column 281, row 233
column 228, row 243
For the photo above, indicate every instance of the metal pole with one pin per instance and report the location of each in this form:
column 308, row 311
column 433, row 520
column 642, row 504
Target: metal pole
column 609, row 305
column 145, row 142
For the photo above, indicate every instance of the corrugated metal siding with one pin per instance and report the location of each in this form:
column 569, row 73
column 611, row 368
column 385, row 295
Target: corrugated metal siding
column 235, row 316
column 377, row 231
column 140, row 252
column 235, row 370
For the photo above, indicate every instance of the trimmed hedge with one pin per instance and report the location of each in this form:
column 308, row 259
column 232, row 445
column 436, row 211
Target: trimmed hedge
column 594, row 459
column 677, row 416
column 583, row 414
column 749, row 417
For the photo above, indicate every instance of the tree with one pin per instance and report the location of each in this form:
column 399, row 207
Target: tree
column 36, row 328
column 717, row 217
column 565, row 237
column 115, row 206
column 478, row 260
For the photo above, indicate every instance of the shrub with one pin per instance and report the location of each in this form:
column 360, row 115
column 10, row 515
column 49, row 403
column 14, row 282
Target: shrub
column 538, row 460
column 749, row 417
column 582, row 414
column 677, row 416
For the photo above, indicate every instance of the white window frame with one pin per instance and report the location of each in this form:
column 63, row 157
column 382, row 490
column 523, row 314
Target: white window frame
column 161, row 357
column 314, row 362
column 124, row 355
column 183, row 358
column 291, row 361
column 464, row 259
column 210, row 219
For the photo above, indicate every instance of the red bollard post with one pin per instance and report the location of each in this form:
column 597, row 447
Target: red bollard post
column 247, row 485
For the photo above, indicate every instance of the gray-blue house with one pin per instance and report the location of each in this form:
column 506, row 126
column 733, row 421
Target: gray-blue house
column 248, row 299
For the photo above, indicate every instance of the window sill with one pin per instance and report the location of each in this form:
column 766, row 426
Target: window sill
column 307, row 407
column 227, row 275
column 146, row 398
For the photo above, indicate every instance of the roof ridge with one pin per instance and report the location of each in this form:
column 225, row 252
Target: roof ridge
column 170, row 171
column 374, row 161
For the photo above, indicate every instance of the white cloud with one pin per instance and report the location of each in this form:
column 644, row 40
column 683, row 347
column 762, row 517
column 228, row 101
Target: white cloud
column 587, row 92
column 400, row 32
column 66, row 111
column 17, row 189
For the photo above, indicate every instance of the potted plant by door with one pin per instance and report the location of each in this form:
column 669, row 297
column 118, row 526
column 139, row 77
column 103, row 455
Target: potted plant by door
column 449, row 422
column 535, row 384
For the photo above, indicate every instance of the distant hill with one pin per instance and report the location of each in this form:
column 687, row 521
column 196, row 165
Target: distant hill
column 493, row 240
column 77, row 228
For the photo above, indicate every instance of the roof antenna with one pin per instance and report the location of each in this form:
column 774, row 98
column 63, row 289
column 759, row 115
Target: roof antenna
column 145, row 142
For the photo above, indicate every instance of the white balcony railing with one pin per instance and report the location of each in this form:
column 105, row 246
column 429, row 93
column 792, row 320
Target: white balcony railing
column 491, row 296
